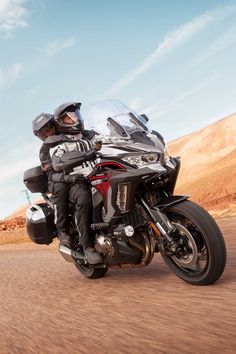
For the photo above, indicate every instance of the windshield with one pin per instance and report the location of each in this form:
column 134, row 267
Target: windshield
column 114, row 118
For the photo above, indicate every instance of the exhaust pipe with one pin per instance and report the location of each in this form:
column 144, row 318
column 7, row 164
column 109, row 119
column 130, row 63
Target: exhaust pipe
column 71, row 255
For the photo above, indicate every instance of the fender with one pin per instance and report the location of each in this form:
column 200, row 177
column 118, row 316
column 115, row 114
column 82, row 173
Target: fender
column 169, row 201
column 157, row 214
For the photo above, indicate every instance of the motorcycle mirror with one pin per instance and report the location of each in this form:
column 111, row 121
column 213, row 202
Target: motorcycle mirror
column 118, row 128
column 138, row 122
column 145, row 117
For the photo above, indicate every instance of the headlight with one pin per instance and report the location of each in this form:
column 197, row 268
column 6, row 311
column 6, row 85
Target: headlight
column 141, row 160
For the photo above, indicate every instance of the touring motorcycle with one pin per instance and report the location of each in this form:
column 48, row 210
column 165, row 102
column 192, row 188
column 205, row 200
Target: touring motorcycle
column 135, row 211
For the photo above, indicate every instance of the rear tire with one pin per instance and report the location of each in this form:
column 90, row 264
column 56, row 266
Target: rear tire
column 204, row 261
column 90, row 271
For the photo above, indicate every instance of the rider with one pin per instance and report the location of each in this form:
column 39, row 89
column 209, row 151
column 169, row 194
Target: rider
column 69, row 122
column 58, row 183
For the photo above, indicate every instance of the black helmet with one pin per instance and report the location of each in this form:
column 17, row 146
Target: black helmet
column 41, row 125
column 68, row 118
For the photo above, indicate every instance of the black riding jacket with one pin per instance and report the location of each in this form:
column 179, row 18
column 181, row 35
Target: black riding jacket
column 46, row 160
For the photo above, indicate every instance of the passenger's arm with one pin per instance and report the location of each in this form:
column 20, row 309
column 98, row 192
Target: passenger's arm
column 45, row 158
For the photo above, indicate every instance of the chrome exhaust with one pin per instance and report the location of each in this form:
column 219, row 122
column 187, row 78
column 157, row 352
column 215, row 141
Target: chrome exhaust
column 71, row 255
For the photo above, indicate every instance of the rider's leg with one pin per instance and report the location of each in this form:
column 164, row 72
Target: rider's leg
column 80, row 194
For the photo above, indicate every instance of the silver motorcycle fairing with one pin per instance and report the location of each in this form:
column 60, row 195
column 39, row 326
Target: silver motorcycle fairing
column 121, row 148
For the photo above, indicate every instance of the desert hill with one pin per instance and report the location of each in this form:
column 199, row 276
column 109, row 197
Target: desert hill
column 208, row 167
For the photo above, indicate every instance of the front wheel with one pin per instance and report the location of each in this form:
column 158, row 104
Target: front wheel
column 200, row 256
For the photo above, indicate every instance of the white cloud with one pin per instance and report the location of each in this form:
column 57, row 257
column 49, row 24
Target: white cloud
column 223, row 42
column 13, row 163
column 10, row 75
column 12, row 16
column 57, row 46
column 171, row 105
column 17, row 168
column 19, row 159
column 172, row 41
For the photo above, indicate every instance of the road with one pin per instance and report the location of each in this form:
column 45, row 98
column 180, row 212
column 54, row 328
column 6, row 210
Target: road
column 47, row 306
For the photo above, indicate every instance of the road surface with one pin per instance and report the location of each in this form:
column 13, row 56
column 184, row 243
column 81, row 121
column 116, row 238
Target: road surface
column 47, row 306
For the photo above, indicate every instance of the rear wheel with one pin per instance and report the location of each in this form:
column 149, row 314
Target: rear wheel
column 200, row 256
column 90, row 271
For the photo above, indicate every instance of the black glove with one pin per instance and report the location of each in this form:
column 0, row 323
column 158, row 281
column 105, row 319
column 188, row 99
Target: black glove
column 73, row 179
column 91, row 155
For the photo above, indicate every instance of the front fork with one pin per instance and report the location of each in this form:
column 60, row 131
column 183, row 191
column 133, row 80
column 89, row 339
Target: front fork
column 160, row 222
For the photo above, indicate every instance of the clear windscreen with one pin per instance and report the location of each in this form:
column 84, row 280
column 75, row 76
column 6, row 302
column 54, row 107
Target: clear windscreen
column 112, row 117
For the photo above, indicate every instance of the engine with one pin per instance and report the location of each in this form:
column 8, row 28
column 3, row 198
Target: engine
column 103, row 245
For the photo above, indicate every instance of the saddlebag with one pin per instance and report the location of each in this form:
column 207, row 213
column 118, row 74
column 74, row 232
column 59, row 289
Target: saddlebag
column 40, row 224
column 35, row 179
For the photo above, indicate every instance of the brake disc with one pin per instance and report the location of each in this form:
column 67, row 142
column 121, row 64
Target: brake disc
column 189, row 260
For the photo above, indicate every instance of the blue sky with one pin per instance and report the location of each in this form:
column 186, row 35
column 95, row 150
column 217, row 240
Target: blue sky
column 174, row 61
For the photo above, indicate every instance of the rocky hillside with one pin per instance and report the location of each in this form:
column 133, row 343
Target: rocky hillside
column 15, row 223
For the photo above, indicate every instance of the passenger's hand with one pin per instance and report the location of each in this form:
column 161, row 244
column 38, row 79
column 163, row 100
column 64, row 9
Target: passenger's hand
column 73, row 179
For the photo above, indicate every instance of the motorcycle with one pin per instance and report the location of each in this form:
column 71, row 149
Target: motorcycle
column 135, row 211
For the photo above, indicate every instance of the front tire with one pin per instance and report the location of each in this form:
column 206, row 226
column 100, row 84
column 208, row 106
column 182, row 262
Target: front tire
column 201, row 255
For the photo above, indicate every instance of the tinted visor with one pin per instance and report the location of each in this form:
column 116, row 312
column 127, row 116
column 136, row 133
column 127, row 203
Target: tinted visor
column 46, row 131
column 70, row 118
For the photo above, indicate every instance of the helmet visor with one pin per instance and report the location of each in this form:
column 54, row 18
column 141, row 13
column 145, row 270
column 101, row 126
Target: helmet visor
column 70, row 118
column 46, row 131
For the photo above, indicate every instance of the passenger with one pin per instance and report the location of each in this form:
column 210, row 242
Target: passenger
column 58, row 183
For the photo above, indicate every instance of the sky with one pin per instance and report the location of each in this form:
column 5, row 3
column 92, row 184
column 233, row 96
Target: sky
column 173, row 60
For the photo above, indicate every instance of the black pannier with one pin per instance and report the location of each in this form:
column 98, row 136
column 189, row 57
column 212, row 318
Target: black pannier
column 35, row 179
column 40, row 223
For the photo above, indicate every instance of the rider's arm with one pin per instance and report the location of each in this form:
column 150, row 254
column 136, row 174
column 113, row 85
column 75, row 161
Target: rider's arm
column 66, row 161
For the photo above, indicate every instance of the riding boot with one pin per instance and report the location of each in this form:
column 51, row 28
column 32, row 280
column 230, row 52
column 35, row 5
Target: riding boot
column 64, row 239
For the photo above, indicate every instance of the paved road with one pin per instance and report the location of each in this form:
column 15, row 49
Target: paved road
column 46, row 306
